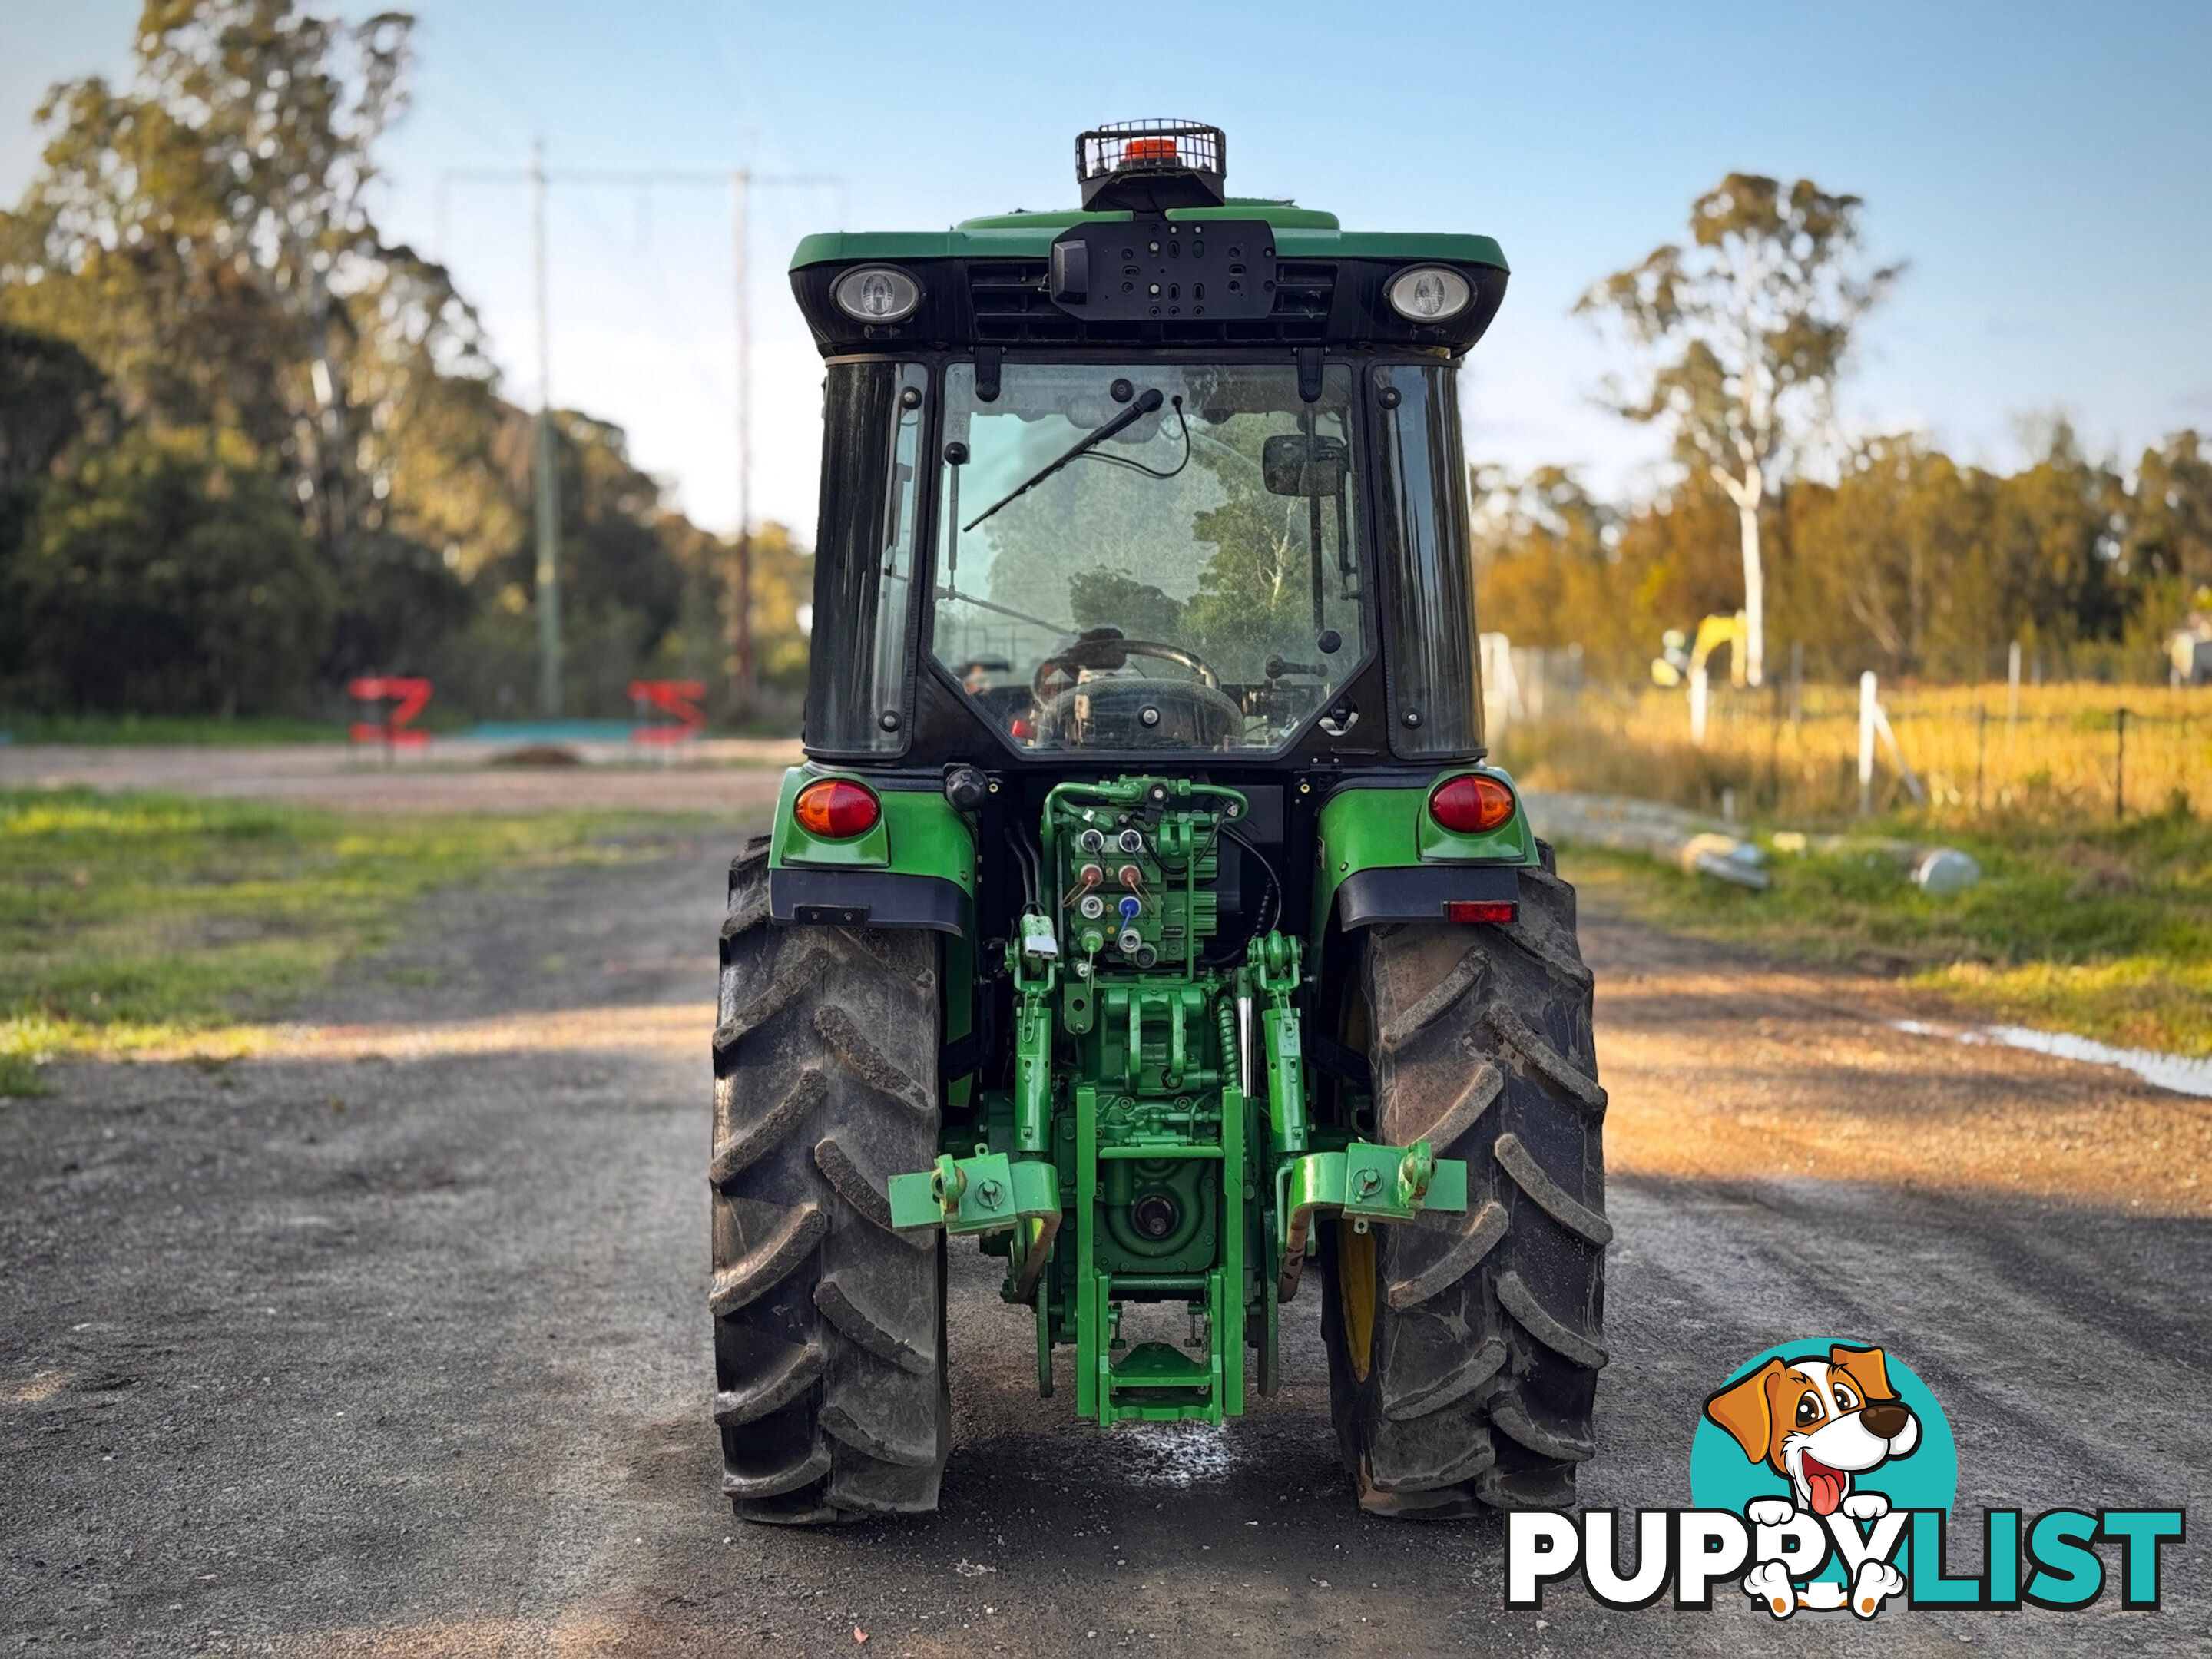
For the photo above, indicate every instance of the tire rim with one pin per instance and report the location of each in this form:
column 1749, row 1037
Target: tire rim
column 1355, row 1250
column 1355, row 1292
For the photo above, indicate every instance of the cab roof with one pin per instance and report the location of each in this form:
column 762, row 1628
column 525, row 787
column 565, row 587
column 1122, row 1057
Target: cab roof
column 1300, row 234
column 999, row 283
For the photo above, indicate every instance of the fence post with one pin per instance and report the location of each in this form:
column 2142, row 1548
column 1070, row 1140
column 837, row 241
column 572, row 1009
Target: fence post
column 1796, row 682
column 2012, row 685
column 1501, row 693
column 1981, row 751
column 1773, row 796
column 2120, row 763
column 1867, row 706
column 1697, row 705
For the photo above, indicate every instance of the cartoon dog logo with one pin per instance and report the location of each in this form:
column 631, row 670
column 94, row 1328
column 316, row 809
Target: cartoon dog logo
column 1819, row 1423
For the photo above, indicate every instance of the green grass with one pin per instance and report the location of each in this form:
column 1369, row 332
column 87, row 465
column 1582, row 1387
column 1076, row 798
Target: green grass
column 168, row 728
column 2104, row 930
column 135, row 922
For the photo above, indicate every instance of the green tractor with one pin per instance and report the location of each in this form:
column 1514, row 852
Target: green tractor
column 1145, row 909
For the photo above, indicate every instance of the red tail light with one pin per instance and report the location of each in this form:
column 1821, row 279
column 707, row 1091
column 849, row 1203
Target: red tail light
column 1500, row 911
column 1471, row 804
column 836, row 808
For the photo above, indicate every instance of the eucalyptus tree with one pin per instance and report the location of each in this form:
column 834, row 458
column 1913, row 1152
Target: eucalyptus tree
column 204, row 228
column 1738, row 339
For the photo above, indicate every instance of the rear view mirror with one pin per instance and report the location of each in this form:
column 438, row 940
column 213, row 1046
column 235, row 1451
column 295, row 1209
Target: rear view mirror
column 1295, row 464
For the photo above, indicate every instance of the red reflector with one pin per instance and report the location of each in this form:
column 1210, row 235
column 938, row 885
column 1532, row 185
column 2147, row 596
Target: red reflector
column 836, row 808
column 1149, row 150
column 1471, row 804
column 1496, row 910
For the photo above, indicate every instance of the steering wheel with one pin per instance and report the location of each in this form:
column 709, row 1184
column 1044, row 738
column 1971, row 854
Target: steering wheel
column 1141, row 714
column 1105, row 648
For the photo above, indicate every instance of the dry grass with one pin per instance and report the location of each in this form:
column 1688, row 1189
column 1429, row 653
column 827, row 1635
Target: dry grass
column 2085, row 920
column 2059, row 761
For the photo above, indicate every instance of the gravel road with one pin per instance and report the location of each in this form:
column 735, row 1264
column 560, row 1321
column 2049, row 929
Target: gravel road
column 393, row 1341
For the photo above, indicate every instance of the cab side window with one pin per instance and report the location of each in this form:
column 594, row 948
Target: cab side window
column 1428, row 563
column 856, row 687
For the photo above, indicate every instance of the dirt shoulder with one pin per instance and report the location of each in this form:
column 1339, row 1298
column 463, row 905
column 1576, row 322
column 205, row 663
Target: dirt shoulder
column 1723, row 1066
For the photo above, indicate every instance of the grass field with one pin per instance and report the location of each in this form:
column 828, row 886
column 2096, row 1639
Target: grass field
column 2062, row 760
column 136, row 923
column 2099, row 929
column 2095, row 915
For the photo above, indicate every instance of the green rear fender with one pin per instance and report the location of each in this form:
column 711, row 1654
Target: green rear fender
column 1385, row 828
column 918, row 834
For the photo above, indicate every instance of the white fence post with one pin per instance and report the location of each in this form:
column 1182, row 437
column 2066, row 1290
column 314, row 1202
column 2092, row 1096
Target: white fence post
column 1874, row 720
column 1866, row 708
column 1697, row 705
column 1501, row 690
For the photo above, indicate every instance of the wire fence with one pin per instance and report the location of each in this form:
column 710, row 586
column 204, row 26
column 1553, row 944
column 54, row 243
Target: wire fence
column 2048, row 751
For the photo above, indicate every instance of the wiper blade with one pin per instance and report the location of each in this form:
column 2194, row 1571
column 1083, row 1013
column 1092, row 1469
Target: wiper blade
column 1147, row 401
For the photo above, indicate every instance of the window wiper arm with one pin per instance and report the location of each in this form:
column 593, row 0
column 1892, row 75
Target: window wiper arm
column 1147, row 401
column 949, row 592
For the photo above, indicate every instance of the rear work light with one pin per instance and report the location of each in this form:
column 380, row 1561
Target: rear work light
column 1471, row 804
column 1497, row 910
column 1429, row 293
column 836, row 808
column 877, row 294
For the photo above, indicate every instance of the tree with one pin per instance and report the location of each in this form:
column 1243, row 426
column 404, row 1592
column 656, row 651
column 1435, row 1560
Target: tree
column 204, row 231
column 1543, row 544
column 783, row 601
column 2054, row 548
column 1742, row 338
column 195, row 271
column 47, row 392
column 153, row 578
column 2168, row 547
column 1888, row 564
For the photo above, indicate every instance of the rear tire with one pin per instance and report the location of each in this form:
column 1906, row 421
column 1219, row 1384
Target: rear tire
column 1464, row 1349
column 828, row 1326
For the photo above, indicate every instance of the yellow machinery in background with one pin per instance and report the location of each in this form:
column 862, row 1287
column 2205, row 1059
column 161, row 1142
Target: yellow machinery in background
column 1676, row 665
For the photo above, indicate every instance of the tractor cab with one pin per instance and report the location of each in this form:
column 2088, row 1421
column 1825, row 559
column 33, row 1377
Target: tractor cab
column 1170, row 473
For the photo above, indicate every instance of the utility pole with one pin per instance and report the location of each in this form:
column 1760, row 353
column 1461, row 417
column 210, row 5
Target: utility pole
column 740, row 182
column 549, row 484
column 743, row 681
column 744, row 677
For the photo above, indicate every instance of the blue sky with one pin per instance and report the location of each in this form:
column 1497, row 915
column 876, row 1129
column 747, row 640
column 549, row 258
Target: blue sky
column 2046, row 170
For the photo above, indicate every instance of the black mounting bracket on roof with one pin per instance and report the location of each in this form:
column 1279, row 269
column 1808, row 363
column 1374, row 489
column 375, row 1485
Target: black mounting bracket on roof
column 1149, row 167
column 1150, row 268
